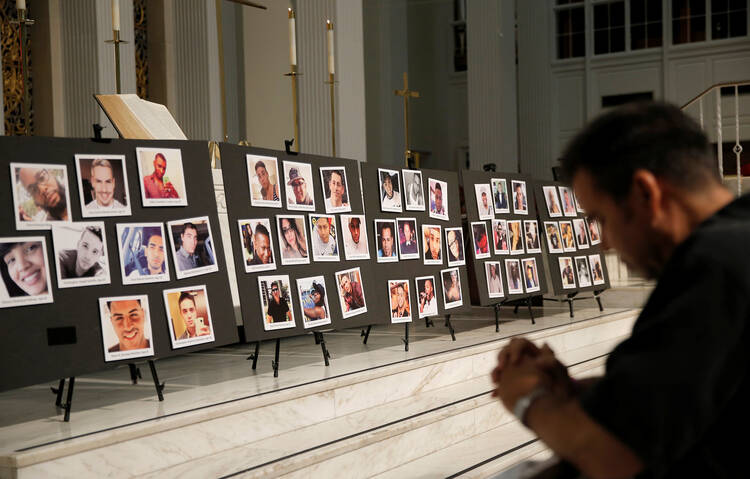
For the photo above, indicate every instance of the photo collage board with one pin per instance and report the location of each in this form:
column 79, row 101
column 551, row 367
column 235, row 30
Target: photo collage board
column 414, row 227
column 110, row 253
column 571, row 239
column 504, row 241
column 301, row 251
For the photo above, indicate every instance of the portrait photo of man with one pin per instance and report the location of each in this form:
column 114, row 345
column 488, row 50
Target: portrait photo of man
column 189, row 316
column 438, row 199
column 413, row 190
column 40, row 195
column 192, row 247
column 163, row 180
column 300, row 193
column 480, row 239
column 24, row 271
column 530, row 275
column 553, row 203
column 81, row 252
column 257, row 245
column 566, row 272
column 531, row 236
column 351, row 292
column 567, row 235
column 500, row 195
column 335, row 189
column 102, row 185
column 426, row 296
column 584, row 273
column 568, row 205
column 501, row 244
column 579, row 227
column 143, row 257
column 452, row 295
column 597, row 273
column 263, row 178
column 408, row 247
column 520, row 203
column 494, row 279
column 390, row 191
column 513, row 276
column 400, row 301
column 276, row 302
column 313, row 301
column 324, row 234
column 126, row 327
column 515, row 236
column 431, row 244
column 385, row 238
column 593, row 227
column 354, row 232
column 484, row 201
column 554, row 243
column 454, row 245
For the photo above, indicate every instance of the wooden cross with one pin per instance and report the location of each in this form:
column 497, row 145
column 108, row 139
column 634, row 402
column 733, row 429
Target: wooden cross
column 406, row 93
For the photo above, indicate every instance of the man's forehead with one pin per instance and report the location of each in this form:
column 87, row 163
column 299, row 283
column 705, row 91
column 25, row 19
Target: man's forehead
column 126, row 305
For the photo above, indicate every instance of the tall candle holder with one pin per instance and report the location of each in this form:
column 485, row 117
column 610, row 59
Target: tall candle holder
column 331, row 83
column 23, row 23
column 116, row 41
column 293, row 74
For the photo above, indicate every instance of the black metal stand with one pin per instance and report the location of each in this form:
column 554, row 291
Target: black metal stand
column 405, row 339
column 159, row 387
column 58, row 392
column 570, row 297
column 428, row 322
column 598, row 299
column 497, row 317
column 320, row 340
column 254, row 356
column 450, row 326
column 135, row 373
column 528, row 304
column 275, row 362
column 366, row 334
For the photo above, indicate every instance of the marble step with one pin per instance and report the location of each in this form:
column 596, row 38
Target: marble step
column 431, row 395
column 489, row 453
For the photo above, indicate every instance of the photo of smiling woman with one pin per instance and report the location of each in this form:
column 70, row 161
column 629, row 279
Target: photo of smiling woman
column 81, row 252
column 126, row 327
column 24, row 271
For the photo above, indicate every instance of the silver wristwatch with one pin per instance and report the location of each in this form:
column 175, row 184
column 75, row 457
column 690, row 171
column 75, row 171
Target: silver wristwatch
column 524, row 402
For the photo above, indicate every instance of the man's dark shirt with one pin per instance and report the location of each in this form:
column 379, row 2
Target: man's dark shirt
column 278, row 311
column 677, row 392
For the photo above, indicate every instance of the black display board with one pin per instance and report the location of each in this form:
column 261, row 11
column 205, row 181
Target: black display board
column 552, row 257
column 239, row 207
column 62, row 339
column 412, row 268
column 471, row 178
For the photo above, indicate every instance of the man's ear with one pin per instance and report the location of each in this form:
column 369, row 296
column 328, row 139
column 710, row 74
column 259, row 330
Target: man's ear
column 647, row 195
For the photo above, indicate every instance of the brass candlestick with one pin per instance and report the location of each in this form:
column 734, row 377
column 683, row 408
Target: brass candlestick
column 293, row 74
column 116, row 41
column 23, row 22
column 406, row 94
column 331, row 83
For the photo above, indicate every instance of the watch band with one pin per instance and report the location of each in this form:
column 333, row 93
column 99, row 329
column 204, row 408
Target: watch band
column 524, row 402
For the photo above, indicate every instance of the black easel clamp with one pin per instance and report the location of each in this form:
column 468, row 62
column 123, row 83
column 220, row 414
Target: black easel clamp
column 275, row 361
column 288, row 147
column 405, row 339
column 58, row 391
column 319, row 339
column 366, row 334
column 254, row 356
column 159, row 386
column 450, row 326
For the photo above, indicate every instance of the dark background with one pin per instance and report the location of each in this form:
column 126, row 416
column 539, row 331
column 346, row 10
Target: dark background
column 26, row 339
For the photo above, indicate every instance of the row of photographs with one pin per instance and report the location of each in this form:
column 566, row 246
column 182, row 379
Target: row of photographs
column 80, row 251
column 569, row 205
column 413, row 189
column 521, row 276
column 492, row 199
column 394, row 239
column 126, row 322
column 508, row 237
column 277, row 308
column 565, row 236
column 587, row 268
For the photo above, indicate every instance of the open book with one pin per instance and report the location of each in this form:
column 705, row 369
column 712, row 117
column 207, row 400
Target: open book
column 138, row 119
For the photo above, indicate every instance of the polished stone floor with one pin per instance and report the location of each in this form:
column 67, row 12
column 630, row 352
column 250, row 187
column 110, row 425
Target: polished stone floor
column 198, row 380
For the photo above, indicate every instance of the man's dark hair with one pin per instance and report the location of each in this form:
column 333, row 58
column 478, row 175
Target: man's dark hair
column 260, row 229
column 183, row 296
column 260, row 164
column 354, row 220
column 438, row 187
column 653, row 136
column 109, row 303
column 149, row 232
column 94, row 230
column 188, row 226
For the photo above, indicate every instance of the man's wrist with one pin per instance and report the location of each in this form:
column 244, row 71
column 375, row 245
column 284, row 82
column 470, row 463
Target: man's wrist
column 522, row 405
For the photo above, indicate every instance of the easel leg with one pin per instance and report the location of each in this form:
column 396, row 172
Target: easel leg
column 135, row 373
column 497, row 318
column 428, row 322
column 599, row 300
column 405, row 339
column 570, row 306
column 450, row 326
column 69, row 399
column 515, row 310
column 531, row 313
column 275, row 362
column 319, row 339
column 159, row 387
column 254, row 356
column 59, row 392
column 366, row 334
